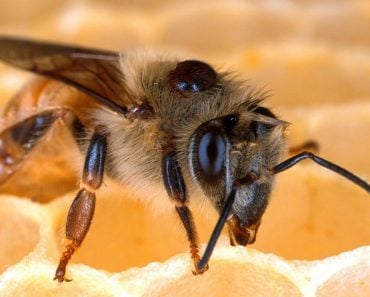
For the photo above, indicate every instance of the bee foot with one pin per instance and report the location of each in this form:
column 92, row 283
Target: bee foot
column 60, row 276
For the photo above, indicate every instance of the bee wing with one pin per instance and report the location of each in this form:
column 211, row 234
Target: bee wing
column 94, row 72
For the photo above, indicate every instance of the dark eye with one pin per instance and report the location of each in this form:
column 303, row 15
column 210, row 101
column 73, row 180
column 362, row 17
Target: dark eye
column 211, row 154
column 192, row 76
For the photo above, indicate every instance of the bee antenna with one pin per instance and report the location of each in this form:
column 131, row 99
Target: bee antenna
column 322, row 162
column 230, row 194
column 217, row 231
column 231, row 188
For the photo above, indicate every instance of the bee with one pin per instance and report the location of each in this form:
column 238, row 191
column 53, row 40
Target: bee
column 169, row 127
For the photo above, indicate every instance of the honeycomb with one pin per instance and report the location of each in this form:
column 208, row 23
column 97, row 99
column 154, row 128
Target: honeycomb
column 315, row 237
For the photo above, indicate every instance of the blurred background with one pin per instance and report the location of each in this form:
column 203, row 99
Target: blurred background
column 313, row 56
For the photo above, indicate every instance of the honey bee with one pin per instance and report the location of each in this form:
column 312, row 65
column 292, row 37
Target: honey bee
column 178, row 127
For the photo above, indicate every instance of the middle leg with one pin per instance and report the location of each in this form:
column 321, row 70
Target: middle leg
column 175, row 186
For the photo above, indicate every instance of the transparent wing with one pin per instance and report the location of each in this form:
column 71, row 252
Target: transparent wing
column 94, row 72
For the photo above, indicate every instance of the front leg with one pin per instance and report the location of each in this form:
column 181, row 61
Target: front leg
column 18, row 141
column 82, row 209
column 175, row 186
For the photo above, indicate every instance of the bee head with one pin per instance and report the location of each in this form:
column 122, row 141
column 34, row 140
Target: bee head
column 237, row 151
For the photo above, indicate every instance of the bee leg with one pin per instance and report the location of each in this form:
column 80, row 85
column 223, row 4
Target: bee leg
column 82, row 209
column 175, row 186
column 18, row 140
column 191, row 232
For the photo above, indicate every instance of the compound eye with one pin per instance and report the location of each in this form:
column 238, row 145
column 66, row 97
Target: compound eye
column 192, row 76
column 211, row 154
